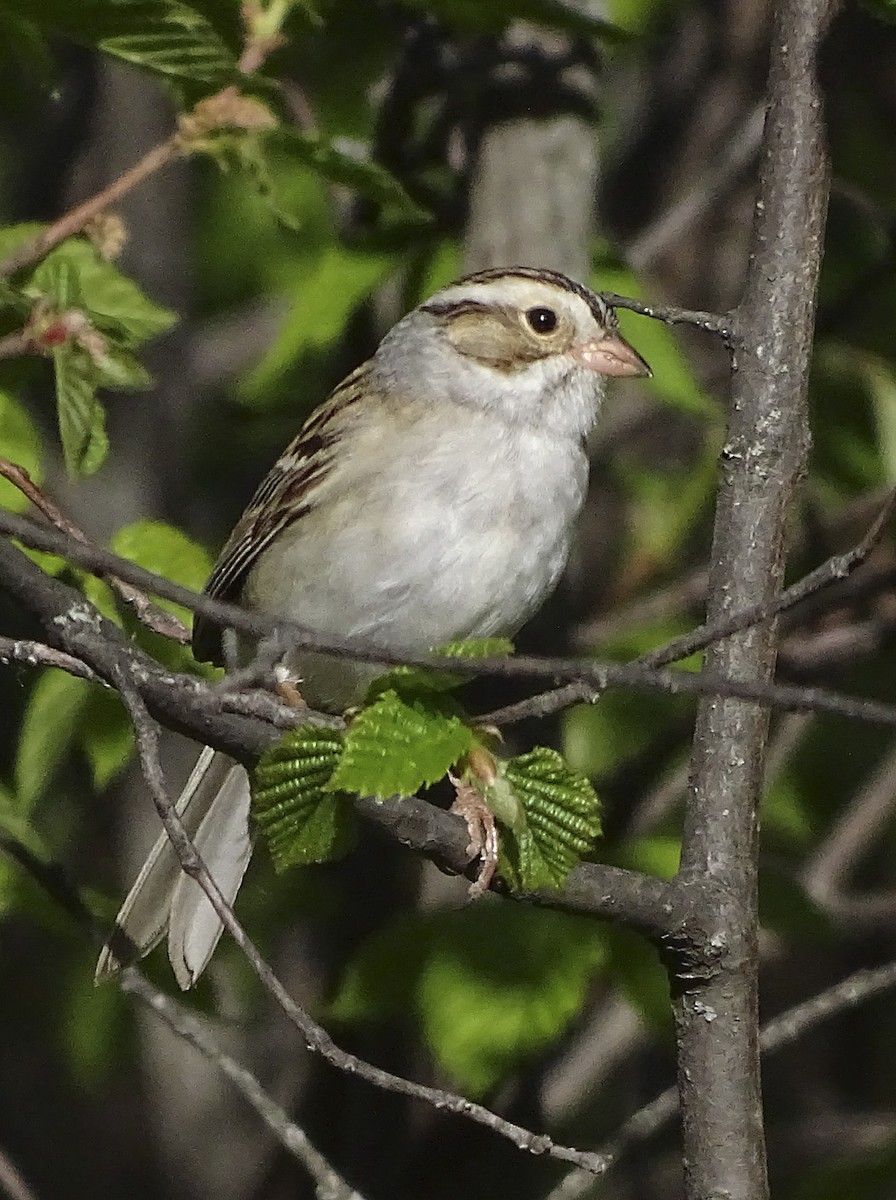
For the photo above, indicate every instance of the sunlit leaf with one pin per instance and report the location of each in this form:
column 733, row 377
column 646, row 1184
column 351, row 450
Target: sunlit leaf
column 396, row 746
column 54, row 710
column 562, row 820
column 82, row 421
column 19, row 442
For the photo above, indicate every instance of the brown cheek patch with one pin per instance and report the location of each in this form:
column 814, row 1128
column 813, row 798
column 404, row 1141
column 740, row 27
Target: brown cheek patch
column 503, row 344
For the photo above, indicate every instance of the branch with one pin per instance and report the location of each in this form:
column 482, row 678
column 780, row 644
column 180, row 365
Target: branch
column 328, row 1183
column 715, row 993
column 781, row 1031
column 149, row 614
column 56, row 883
column 721, row 324
column 316, row 1038
column 590, row 677
column 76, row 218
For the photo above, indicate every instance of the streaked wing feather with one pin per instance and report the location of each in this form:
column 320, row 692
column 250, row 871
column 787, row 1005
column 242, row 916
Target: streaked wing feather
column 283, row 496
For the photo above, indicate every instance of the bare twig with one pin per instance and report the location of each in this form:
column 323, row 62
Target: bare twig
column 56, row 883
column 718, row 323
column 76, row 218
column 589, row 677
column 14, row 344
column 837, row 567
column 149, row 614
column 328, row 1184
column 36, row 654
column 781, row 1031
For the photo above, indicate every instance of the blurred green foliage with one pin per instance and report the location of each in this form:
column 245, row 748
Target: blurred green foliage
column 306, row 219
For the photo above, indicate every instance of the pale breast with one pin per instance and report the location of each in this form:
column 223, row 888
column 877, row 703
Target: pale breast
column 436, row 541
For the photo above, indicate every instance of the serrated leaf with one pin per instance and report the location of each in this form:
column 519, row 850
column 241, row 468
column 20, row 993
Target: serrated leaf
column 76, row 274
column 562, row 814
column 493, row 647
column 51, row 720
column 82, row 421
column 396, row 746
column 19, row 442
column 302, row 818
column 165, row 36
column 421, row 681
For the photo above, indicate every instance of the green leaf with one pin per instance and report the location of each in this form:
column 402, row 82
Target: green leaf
column 491, row 984
column 14, row 236
column 82, row 421
column 420, row 681
column 51, row 720
column 493, row 647
column 165, row 550
column 106, row 736
column 19, row 442
column 562, row 820
column 350, row 170
column 396, row 746
column 303, row 819
column 324, row 298
column 164, row 36
column 112, row 301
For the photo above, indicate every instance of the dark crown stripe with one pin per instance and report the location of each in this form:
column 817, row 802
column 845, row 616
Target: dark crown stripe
column 600, row 310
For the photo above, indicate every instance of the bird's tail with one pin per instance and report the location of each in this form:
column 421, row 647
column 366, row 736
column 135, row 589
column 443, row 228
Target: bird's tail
column 214, row 807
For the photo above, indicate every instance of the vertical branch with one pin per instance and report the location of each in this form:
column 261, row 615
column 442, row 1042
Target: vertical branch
column 762, row 462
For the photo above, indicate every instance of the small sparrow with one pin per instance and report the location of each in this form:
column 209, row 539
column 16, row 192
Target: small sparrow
column 430, row 498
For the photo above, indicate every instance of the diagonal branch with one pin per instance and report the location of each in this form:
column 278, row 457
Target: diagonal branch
column 316, row 1037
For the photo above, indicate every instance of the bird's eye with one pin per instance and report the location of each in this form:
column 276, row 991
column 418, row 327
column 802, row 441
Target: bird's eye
column 541, row 320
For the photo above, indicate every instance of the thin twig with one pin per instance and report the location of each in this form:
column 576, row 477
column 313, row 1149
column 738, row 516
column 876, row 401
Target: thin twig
column 149, row 614
column 316, row 1037
column 36, row 654
column 75, row 219
column 328, row 1184
column 56, row 883
column 598, row 675
column 781, row 1031
column 837, row 567
column 12, row 1182
column 12, row 345
column 718, row 323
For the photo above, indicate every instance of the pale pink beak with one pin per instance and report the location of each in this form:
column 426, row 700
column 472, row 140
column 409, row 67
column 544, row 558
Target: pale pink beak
column 612, row 355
